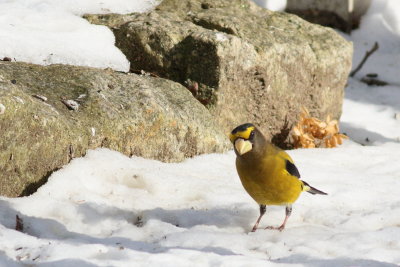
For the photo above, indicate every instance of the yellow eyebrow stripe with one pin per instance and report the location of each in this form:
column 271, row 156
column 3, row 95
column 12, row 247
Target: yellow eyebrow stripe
column 245, row 134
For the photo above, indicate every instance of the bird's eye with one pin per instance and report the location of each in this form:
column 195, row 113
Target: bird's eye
column 252, row 135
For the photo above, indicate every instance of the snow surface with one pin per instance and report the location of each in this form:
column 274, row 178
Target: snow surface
column 275, row 5
column 110, row 210
column 50, row 32
column 371, row 114
column 106, row 209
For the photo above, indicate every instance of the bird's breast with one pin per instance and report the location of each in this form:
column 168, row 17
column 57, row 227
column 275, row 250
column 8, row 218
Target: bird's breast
column 269, row 183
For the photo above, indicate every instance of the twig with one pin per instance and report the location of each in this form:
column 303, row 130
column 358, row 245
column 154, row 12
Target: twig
column 373, row 81
column 19, row 224
column 366, row 56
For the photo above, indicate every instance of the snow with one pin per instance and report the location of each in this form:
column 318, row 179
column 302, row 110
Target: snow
column 106, row 209
column 50, row 32
column 381, row 24
column 371, row 113
column 275, row 5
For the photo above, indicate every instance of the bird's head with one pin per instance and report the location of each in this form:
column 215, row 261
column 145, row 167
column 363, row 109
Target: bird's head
column 246, row 138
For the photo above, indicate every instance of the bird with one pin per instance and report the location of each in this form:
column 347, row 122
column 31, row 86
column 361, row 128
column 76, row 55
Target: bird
column 267, row 173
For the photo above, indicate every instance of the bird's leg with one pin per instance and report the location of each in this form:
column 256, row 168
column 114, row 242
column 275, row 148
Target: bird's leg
column 288, row 212
column 262, row 212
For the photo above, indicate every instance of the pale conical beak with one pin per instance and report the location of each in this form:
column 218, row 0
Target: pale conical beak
column 243, row 146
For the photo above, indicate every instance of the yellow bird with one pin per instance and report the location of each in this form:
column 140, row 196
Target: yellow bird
column 267, row 172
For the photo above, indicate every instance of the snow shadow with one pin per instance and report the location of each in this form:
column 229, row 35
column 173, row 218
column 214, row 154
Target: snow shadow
column 235, row 216
column 363, row 136
column 8, row 215
column 312, row 262
column 388, row 95
column 6, row 261
column 68, row 263
column 50, row 230
column 93, row 213
column 188, row 218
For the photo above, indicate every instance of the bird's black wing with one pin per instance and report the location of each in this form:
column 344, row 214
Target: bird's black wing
column 292, row 169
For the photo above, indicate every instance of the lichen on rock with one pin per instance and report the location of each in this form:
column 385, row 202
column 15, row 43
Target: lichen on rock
column 249, row 63
column 134, row 114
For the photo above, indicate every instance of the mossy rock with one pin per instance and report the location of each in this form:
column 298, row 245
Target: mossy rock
column 134, row 114
column 243, row 62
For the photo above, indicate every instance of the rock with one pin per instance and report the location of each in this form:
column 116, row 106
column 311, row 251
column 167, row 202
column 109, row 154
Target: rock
column 136, row 115
column 248, row 64
column 111, row 20
column 342, row 14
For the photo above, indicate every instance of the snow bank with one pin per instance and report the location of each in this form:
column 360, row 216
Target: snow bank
column 108, row 209
column 381, row 24
column 50, row 32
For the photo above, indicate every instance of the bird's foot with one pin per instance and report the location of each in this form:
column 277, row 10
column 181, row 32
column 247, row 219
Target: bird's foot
column 280, row 228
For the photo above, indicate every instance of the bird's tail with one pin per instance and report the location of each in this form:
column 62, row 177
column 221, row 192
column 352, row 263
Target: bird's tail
column 308, row 188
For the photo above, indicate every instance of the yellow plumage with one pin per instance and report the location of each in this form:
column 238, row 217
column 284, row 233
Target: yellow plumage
column 267, row 181
column 267, row 173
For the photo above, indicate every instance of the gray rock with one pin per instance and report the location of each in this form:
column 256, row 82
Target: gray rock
column 245, row 63
column 136, row 115
column 342, row 14
column 111, row 20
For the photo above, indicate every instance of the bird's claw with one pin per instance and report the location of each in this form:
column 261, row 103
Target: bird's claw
column 280, row 228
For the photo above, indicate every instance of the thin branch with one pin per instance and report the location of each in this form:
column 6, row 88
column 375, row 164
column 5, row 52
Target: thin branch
column 19, row 224
column 366, row 56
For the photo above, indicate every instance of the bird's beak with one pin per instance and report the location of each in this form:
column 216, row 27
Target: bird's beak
column 243, row 146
